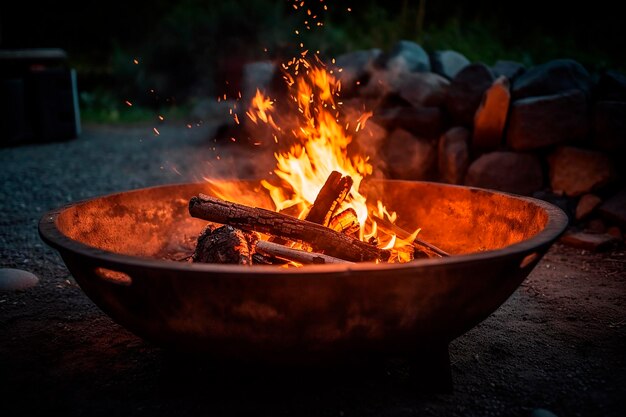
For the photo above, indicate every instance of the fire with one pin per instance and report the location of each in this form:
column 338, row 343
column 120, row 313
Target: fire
column 260, row 109
column 321, row 145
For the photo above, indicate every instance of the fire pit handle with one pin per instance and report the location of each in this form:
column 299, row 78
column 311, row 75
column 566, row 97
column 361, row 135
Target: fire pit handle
column 529, row 260
column 114, row 277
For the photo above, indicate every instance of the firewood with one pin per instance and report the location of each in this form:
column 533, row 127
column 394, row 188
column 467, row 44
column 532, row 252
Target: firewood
column 320, row 238
column 262, row 259
column 431, row 250
column 296, row 255
column 327, row 201
column 225, row 245
column 345, row 222
column 329, row 198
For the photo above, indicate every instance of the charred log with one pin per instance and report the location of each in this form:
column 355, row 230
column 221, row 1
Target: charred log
column 329, row 198
column 262, row 259
column 225, row 245
column 327, row 201
column 320, row 238
column 345, row 222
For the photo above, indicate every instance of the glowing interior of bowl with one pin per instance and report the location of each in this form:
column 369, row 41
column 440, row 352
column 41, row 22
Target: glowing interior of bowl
column 154, row 222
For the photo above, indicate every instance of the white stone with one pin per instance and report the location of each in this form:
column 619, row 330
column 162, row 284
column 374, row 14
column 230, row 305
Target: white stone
column 16, row 279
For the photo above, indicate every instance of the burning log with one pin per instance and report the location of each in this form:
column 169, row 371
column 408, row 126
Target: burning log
column 345, row 222
column 296, row 255
column 319, row 237
column 431, row 250
column 225, row 245
column 330, row 197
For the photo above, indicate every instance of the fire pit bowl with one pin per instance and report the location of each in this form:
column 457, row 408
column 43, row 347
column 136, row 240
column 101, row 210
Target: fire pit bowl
column 116, row 248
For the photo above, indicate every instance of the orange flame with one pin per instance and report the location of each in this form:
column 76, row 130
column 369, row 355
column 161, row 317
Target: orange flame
column 321, row 146
column 260, row 109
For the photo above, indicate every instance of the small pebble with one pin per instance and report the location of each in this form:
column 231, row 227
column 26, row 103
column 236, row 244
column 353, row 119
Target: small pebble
column 542, row 412
column 16, row 279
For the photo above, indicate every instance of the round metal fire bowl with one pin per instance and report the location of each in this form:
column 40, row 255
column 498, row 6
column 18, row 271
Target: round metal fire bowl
column 114, row 247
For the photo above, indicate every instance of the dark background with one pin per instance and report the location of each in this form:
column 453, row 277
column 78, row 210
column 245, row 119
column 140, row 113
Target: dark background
column 188, row 49
column 557, row 343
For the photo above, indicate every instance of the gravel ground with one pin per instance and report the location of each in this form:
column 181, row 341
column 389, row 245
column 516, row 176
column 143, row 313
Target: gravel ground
column 559, row 343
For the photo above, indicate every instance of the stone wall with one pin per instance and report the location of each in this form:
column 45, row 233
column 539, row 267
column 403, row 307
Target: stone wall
column 553, row 131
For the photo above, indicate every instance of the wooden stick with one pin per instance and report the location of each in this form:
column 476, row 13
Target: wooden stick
column 296, row 255
column 403, row 234
column 319, row 237
column 259, row 258
column 329, row 198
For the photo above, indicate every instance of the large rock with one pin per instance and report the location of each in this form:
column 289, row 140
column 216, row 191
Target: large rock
column 370, row 139
column 420, row 121
column 510, row 69
column 378, row 84
column 355, row 68
column 575, row 171
column 409, row 157
column 359, row 62
column 611, row 87
column 538, row 122
column 257, row 76
column 453, row 155
column 564, row 203
column 506, row 171
column 407, row 56
column 448, row 63
column 551, row 78
column 609, row 124
column 420, row 88
column 586, row 205
column 466, row 92
column 388, row 102
column 614, row 209
column 490, row 117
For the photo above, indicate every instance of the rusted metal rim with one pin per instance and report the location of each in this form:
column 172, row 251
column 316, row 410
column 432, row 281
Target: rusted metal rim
column 50, row 233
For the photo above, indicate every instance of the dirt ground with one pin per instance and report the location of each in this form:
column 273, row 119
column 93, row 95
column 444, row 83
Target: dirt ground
column 559, row 343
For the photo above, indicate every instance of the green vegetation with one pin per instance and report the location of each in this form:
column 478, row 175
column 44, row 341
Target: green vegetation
column 487, row 35
column 103, row 106
column 196, row 49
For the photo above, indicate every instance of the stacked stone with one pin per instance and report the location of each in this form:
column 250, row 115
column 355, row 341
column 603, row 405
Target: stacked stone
column 553, row 131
